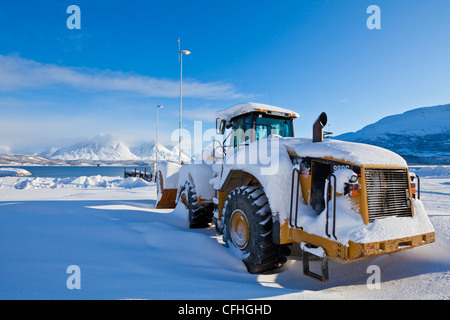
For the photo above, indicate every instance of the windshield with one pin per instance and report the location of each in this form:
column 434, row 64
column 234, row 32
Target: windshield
column 265, row 127
column 254, row 127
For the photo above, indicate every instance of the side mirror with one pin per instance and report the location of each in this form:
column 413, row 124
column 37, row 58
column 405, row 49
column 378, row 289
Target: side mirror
column 220, row 126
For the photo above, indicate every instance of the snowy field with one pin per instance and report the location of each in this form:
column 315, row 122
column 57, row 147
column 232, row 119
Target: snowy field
column 127, row 249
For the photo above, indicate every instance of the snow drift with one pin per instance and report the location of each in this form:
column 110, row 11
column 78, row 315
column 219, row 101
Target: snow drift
column 80, row 182
column 11, row 172
column 431, row 171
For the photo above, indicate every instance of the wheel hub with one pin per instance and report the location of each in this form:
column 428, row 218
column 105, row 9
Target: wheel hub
column 240, row 232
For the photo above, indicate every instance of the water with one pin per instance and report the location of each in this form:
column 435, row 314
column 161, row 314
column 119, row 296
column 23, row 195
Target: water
column 77, row 171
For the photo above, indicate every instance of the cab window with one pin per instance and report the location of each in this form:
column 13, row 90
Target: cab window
column 270, row 126
column 254, row 127
column 241, row 128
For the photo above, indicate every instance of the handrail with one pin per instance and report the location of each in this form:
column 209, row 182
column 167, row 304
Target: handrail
column 334, row 205
column 292, row 198
column 223, row 152
column 418, row 187
column 328, row 198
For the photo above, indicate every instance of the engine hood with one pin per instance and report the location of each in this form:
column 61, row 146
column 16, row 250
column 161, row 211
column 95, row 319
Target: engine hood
column 352, row 152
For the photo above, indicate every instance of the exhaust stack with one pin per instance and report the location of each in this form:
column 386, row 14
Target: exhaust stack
column 318, row 127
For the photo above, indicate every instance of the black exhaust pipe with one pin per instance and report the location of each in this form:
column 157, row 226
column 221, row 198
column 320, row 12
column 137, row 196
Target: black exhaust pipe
column 318, row 127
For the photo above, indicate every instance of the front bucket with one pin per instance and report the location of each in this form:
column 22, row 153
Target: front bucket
column 167, row 200
column 166, row 197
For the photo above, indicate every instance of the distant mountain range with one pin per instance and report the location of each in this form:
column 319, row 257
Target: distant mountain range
column 28, row 160
column 421, row 136
column 104, row 149
column 149, row 151
column 107, row 147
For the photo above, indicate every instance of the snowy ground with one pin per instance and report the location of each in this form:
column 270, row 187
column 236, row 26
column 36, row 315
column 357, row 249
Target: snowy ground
column 127, row 249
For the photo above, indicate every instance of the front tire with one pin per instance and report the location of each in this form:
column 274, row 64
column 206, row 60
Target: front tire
column 248, row 227
column 200, row 214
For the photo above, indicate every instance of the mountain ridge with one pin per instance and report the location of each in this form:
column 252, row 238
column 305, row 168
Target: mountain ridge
column 108, row 147
column 420, row 135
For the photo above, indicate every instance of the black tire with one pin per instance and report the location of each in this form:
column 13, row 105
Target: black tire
column 259, row 252
column 200, row 214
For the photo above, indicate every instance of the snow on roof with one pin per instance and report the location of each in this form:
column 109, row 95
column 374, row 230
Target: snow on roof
column 242, row 108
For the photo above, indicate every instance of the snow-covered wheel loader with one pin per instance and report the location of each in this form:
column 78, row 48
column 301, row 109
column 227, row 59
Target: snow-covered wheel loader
column 266, row 190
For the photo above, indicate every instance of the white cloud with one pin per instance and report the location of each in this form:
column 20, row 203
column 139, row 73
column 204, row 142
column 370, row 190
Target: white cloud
column 5, row 150
column 18, row 73
column 201, row 114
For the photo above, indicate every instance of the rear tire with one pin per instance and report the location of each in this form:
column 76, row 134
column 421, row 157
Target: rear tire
column 248, row 227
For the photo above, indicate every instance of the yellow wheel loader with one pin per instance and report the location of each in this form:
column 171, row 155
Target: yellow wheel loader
column 265, row 190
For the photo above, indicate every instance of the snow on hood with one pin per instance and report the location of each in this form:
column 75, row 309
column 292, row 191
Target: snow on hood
column 356, row 153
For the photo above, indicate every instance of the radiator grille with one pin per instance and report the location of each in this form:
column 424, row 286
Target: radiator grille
column 388, row 193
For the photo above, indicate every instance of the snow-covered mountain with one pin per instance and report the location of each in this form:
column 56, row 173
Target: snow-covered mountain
column 28, row 160
column 107, row 147
column 102, row 147
column 420, row 135
column 148, row 151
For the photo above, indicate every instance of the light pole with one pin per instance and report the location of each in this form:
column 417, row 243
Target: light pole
column 156, row 145
column 186, row 52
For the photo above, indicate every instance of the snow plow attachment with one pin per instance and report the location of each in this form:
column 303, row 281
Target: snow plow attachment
column 167, row 183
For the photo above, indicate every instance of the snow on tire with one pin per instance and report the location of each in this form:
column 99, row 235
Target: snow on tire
column 248, row 228
column 200, row 214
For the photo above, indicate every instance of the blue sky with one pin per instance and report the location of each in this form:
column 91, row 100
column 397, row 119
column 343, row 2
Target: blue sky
column 61, row 86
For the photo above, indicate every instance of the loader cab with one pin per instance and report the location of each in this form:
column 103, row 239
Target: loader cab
column 257, row 126
column 247, row 122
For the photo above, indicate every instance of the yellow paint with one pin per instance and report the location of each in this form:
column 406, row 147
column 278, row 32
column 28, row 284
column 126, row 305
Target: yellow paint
column 354, row 251
column 222, row 198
